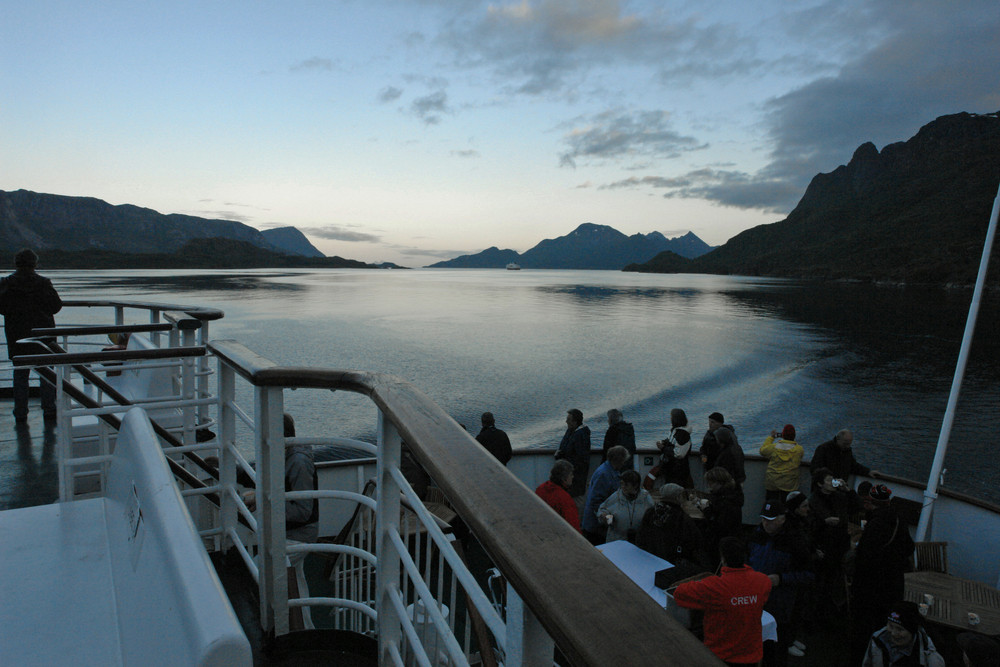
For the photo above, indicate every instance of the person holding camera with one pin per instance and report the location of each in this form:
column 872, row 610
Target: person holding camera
column 832, row 505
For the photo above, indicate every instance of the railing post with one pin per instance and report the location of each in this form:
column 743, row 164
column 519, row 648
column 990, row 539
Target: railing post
column 270, row 448
column 187, row 388
column 227, row 459
column 386, row 519
column 528, row 644
column 201, row 373
column 64, row 441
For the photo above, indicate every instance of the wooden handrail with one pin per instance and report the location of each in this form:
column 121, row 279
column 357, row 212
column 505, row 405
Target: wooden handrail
column 110, row 355
column 88, row 330
column 593, row 611
column 197, row 312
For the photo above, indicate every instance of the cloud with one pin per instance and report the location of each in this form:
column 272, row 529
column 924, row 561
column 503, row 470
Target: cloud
column 727, row 188
column 430, row 107
column 312, row 64
column 219, row 214
column 389, row 94
column 612, row 135
column 468, row 153
column 915, row 63
column 339, row 233
column 555, row 47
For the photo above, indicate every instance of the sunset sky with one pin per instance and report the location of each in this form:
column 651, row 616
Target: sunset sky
column 416, row 130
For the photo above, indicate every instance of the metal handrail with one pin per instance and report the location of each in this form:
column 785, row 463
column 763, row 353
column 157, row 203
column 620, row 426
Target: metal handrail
column 592, row 611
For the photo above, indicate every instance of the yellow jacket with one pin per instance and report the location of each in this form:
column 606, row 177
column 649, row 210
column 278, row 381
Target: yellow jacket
column 784, row 457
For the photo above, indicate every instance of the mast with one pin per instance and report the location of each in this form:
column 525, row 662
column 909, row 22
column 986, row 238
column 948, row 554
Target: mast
column 930, row 493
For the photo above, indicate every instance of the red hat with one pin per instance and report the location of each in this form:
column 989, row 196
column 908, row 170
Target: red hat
column 788, row 433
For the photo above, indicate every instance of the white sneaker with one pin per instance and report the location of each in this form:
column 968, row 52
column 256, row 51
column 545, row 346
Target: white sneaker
column 796, row 651
column 799, row 645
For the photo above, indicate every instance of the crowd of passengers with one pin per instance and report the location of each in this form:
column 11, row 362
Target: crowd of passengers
column 817, row 554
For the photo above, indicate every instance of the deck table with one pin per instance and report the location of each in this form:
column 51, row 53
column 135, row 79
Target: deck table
column 954, row 599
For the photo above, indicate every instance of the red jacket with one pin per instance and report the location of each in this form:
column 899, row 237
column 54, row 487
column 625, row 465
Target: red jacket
column 732, row 603
column 559, row 499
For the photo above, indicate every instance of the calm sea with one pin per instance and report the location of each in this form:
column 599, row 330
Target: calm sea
column 528, row 345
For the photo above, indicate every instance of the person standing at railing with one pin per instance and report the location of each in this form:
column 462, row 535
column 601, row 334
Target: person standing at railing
column 493, row 439
column 575, row 448
column 28, row 301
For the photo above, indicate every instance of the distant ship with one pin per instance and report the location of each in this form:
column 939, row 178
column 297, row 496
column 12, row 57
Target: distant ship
column 513, row 267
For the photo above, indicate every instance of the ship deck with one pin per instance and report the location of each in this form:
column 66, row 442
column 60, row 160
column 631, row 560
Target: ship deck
column 29, row 477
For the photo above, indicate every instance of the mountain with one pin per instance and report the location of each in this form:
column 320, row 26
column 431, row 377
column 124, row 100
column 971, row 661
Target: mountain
column 213, row 253
column 915, row 212
column 589, row 246
column 56, row 222
column 491, row 258
column 291, row 240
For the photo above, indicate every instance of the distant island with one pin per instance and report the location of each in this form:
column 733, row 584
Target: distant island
column 916, row 212
column 589, row 246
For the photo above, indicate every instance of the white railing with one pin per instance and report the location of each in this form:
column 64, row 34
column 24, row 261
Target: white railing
column 397, row 569
column 425, row 606
column 396, row 572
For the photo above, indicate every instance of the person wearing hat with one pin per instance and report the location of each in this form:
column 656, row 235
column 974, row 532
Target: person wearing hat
column 783, row 556
column 783, row 456
column 978, row 650
column 28, row 301
column 880, row 562
column 903, row 641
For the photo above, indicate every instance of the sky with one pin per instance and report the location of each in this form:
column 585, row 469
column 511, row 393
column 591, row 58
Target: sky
column 412, row 131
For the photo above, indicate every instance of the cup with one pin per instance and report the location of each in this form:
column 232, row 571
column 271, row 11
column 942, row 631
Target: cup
column 924, row 608
column 609, row 519
column 928, row 599
column 973, row 619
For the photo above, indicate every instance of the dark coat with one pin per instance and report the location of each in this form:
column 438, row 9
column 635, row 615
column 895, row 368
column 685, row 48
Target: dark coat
column 840, row 462
column 575, row 448
column 27, row 301
column 620, row 434
column 666, row 531
column 496, row 442
column 731, row 458
column 786, row 555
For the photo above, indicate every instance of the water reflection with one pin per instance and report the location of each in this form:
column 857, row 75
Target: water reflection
column 153, row 282
column 32, row 481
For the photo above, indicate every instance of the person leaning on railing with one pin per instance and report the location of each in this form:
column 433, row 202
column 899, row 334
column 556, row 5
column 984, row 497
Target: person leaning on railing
column 28, row 301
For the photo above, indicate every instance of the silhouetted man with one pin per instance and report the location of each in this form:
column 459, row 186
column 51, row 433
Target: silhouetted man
column 493, row 439
column 28, row 301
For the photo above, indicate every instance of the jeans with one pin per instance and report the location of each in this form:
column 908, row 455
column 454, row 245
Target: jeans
column 46, row 390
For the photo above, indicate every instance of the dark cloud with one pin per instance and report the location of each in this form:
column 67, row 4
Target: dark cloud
column 921, row 61
column 612, row 135
column 430, row 107
column 313, row 64
column 338, row 233
column 554, row 46
column 389, row 94
column 728, row 188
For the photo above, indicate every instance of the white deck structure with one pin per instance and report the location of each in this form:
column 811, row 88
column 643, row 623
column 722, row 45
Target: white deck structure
column 118, row 580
